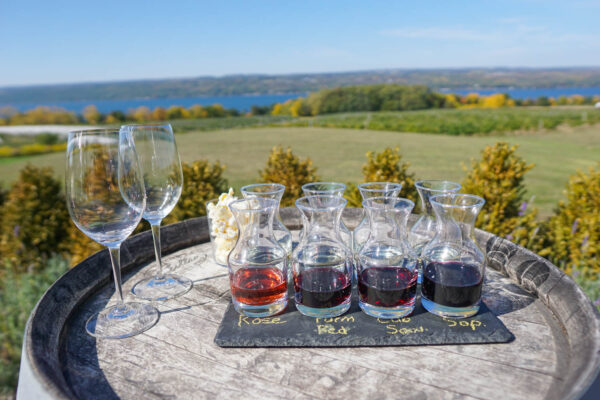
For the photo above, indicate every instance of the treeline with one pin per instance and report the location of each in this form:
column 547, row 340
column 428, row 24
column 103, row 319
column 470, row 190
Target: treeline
column 367, row 98
column 43, row 115
column 374, row 98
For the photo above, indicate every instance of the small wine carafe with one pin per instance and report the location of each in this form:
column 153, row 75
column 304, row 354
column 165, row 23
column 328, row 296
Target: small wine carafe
column 257, row 264
column 453, row 263
column 386, row 264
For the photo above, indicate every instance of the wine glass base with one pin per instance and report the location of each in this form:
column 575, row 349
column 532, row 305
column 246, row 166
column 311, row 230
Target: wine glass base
column 122, row 321
column 166, row 287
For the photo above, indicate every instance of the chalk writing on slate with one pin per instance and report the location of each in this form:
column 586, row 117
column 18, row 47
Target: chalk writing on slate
column 355, row 328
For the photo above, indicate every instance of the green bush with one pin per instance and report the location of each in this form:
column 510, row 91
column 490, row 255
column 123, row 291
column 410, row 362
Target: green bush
column 288, row 169
column 18, row 295
column 498, row 178
column 572, row 235
column 34, row 219
column 202, row 181
column 386, row 166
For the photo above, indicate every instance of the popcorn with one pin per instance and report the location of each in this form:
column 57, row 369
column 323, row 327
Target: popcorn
column 224, row 231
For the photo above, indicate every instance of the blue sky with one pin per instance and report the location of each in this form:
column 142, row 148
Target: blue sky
column 94, row 41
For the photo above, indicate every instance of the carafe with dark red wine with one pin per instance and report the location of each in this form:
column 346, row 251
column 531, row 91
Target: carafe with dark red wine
column 453, row 263
column 258, row 263
column 386, row 264
column 322, row 263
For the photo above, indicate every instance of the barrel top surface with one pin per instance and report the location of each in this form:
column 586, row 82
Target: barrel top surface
column 555, row 353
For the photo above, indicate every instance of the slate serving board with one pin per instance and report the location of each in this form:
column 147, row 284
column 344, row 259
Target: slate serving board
column 355, row 328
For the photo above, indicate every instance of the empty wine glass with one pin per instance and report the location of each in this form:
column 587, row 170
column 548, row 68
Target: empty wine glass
column 106, row 199
column 163, row 179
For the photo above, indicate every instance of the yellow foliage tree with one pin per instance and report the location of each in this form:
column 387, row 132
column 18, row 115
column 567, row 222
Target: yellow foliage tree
column 141, row 114
column 91, row 114
column 159, row 114
column 197, row 111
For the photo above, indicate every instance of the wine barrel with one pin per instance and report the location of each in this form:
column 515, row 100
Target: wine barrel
column 555, row 354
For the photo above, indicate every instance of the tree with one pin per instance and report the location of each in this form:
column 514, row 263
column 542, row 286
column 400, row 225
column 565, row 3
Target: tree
column 159, row 114
column 498, row 178
column 34, row 219
column 572, row 235
column 141, row 114
column 91, row 114
column 288, row 169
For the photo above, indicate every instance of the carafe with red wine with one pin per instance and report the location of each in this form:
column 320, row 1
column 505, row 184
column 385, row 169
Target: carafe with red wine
column 257, row 264
column 453, row 263
column 386, row 264
column 322, row 262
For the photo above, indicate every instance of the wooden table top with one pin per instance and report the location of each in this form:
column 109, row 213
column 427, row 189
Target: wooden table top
column 177, row 358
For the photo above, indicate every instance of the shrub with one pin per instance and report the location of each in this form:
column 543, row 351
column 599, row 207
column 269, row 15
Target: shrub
column 572, row 235
column 47, row 138
column 35, row 219
column 18, row 295
column 288, row 169
column 202, row 181
column 498, row 178
column 386, row 166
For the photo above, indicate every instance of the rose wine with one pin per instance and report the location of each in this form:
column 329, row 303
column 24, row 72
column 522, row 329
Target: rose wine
column 387, row 286
column 452, row 284
column 322, row 287
column 258, row 286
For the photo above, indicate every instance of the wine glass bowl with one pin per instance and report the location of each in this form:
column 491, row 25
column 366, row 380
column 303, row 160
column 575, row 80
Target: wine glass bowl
column 106, row 198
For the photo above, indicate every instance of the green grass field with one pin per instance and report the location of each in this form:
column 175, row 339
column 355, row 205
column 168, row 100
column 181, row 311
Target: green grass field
column 340, row 153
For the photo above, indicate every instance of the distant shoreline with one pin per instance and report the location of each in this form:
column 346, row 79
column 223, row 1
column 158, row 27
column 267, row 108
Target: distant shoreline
column 243, row 103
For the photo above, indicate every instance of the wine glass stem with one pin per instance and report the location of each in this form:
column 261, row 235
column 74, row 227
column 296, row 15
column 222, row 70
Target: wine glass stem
column 156, row 237
column 115, row 260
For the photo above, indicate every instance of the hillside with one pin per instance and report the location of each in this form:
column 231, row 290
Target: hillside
column 299, row 83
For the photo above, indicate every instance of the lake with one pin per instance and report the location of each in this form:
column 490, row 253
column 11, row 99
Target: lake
column 243, row 103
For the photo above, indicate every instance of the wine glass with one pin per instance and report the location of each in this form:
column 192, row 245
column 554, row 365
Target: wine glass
column 106, row 199
column 163, row 179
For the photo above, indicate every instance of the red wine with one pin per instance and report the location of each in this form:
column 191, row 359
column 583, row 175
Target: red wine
column 452, row 284
column 387, row 286
column 322, row 287
column 258, row 286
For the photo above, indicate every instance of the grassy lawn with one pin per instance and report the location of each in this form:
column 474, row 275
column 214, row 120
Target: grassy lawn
column 340, row 153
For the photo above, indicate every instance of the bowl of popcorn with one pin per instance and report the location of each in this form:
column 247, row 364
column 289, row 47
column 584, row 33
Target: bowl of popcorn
column 222, row 226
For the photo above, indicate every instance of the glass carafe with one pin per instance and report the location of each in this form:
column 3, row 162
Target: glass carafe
column 367, row 191
column 386, row 263
column 330, row 189
column 453, row 263
column 322, row 263
column 272, row 191
column 423, row 230
column 257, row 264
